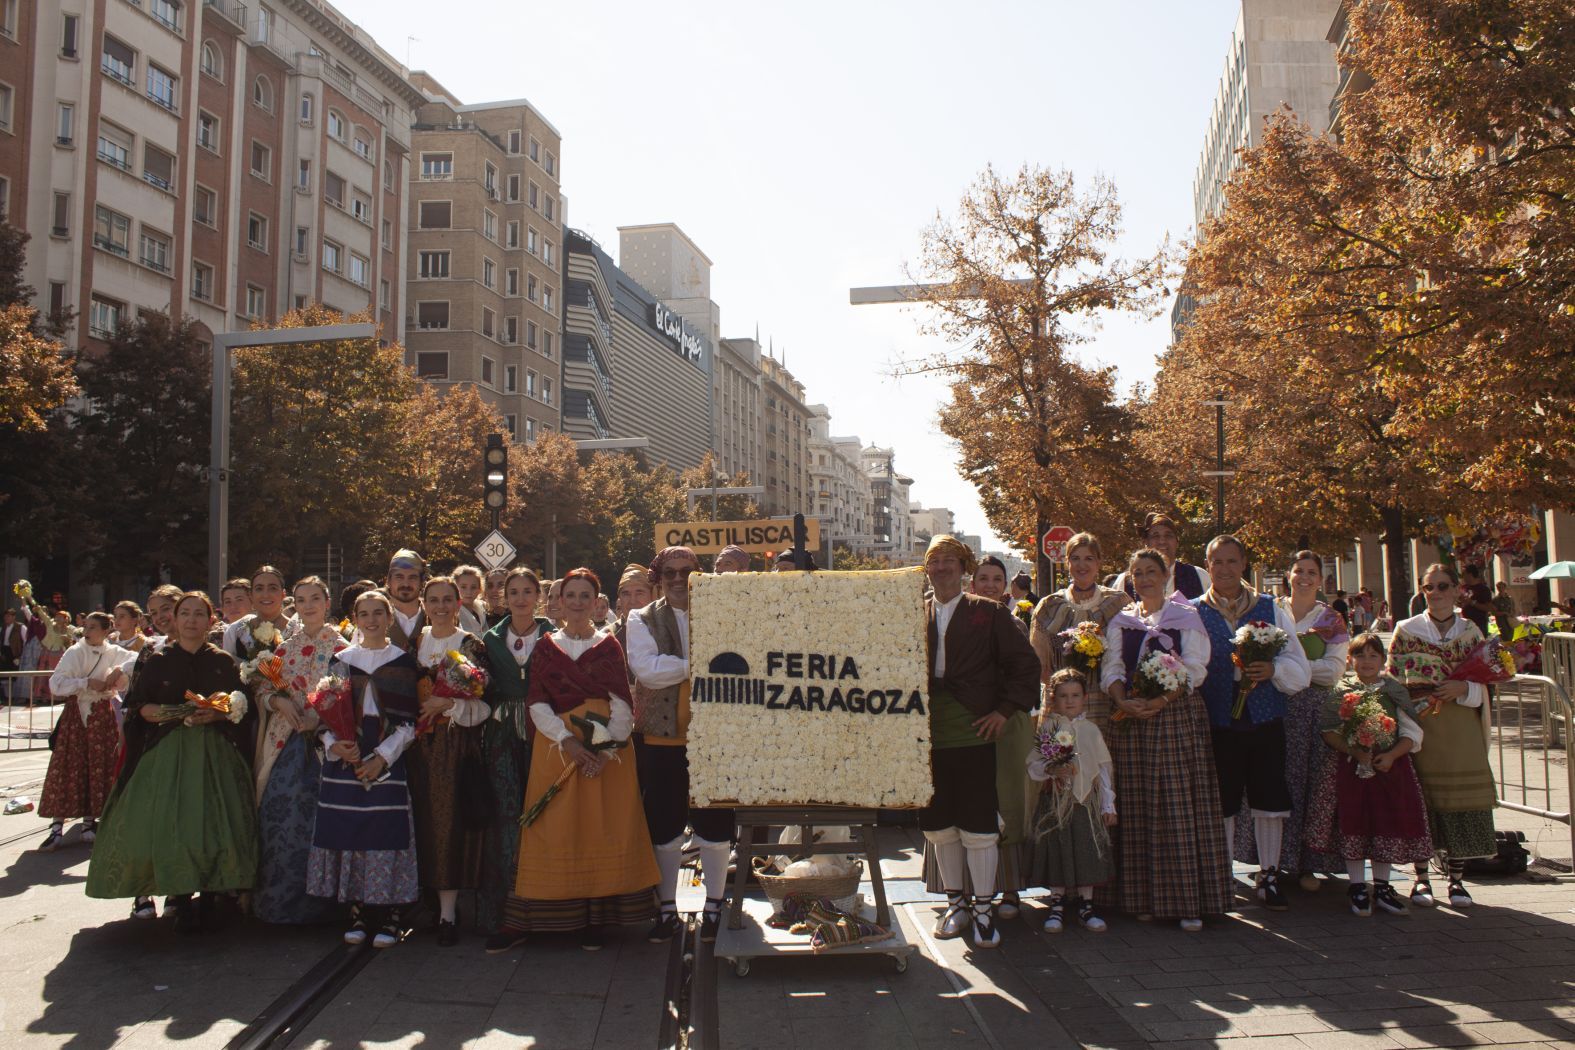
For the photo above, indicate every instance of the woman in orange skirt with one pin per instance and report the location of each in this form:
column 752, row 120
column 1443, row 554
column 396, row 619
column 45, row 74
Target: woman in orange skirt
column 585, row 860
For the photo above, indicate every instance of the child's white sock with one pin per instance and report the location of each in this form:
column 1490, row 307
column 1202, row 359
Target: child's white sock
column 1381, row 871
column 1357, row 871
column 448, row 904
column 1269, row 832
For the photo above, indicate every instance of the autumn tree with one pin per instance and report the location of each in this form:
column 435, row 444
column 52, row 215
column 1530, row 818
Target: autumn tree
column 317, row 446
column 1014, row 283
column 1388, row 311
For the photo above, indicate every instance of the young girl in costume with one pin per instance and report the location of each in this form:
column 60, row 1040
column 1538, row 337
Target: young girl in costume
column 1077, row 803
column 1381, row 816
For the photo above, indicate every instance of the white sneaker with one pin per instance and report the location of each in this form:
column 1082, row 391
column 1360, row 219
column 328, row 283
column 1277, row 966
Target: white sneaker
column 355, row 935
column 385, row 938
column 1055, row 924
column 953, row 921
column 1089, row 918
column 1191, row 925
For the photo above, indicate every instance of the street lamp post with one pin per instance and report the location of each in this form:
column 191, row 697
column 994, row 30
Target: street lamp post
column 219, row 439
column 1219, row 473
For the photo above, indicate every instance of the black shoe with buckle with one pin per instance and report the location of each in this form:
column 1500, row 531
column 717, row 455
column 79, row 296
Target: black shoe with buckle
column 664, row 929
column 1269, row 891
column 1387, row 900
column 447, row 933
column 1361, row 901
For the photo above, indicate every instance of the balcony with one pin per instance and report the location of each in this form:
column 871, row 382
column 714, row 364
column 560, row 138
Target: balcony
column 158, row 181
column 118, row 160
column 228, row 11
column 110, row 246
column 119, row 73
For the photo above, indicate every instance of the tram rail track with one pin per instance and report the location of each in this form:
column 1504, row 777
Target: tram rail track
column 287, row 1016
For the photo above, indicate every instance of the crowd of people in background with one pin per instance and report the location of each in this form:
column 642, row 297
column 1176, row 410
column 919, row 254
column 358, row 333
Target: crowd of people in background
column 201, row 749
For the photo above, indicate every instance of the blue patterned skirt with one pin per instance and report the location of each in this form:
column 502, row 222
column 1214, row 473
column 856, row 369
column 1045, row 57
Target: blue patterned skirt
column 285, row 819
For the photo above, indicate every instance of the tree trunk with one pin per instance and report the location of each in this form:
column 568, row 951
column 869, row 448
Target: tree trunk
column 1397, row 581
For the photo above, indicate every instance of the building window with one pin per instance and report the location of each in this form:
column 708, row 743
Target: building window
column 511, row 378
column 514, row 188
column 435, row 215
column 531, row 240
column 307, row 104
column 511, row 282
column 60, row 226
column 489, row 273
column 546, row 390
column 208, row 132
column 437, row 165
column 362, row 147
column 337, row 128
column 511, row 421
column 512, row 240
column 333, row 257
column 530, row 287
column 262, row 93
column 205, row 207
column 303, row 241
column 334, row 190
column 514, row 142
column 535, row 150
column 57, row 300
column 153, row 250
column 300, row 302
column 384, row 294
column 114, row 145
column 530, row 430
column 533, row 195
column 388, row 235
column 119, row 62
column 546, row 343
column 489, row 225
column 489, row 326
column 388, row 175
column 546, row 299
column 211, row 63
column 104, row 317
column 486, row 370
column 257, row 231
column 166, row 12
column 432, row 365
column 303, row 176
column 489, row 179
column 158, row 167
column 112, row 231
column 163, row 87
column 256, row 301
column 432, row 316
column 530, row 334
column 262, row 161
column 546, row 253
column 69, row 25
column 552, row 207
column 361, row 207
column 530, row 383
column 511, row 330
column 360, row 271
column 65, row 123
column 433, row 264
column 551, row 165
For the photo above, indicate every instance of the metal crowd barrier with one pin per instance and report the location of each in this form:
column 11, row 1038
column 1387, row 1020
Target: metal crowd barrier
column 28, row 715
column 1525, row 716
column 1558, row 663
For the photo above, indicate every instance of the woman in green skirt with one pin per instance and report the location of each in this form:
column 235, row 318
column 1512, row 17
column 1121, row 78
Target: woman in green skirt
column 180, row 820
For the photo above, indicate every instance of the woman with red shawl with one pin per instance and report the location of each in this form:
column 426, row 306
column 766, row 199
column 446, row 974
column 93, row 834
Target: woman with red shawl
column 585, row 861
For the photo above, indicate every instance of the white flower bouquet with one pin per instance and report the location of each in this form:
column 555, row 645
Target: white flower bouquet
column 1255, row 642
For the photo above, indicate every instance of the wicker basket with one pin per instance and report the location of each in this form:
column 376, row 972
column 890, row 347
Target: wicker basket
column 838, row 888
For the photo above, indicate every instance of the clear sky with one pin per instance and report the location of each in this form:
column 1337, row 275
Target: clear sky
column 804, row 146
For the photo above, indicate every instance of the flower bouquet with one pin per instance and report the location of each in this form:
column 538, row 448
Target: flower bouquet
column 231, row 705
column 1366, row 725
column 335, row 707
column 1255, row 642
column 595, row 736
column 1083, row 647
column 1158, row 673
column 23, row 591
column 455, row 677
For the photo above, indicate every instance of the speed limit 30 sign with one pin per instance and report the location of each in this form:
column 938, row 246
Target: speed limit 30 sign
column 495, row 552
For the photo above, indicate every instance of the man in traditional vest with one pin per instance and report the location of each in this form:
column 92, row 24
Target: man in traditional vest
column 407, row 571
column 1249, row 749
column 1160, row 533
column 658, row 654
column 982, row 671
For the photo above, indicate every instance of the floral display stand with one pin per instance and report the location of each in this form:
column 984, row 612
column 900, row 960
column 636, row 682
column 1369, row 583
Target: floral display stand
column 746, row 936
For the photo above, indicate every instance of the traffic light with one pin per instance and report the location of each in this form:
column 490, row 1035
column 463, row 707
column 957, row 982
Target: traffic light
column 495, row 474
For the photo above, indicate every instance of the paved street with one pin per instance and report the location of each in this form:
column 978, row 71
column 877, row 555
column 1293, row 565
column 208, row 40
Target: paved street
column 77, row 973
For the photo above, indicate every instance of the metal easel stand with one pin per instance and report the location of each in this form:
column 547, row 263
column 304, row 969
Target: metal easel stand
column 746, row 935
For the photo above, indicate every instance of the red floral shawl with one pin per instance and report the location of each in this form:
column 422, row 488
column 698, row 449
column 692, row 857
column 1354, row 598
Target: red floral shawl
column 564, row 684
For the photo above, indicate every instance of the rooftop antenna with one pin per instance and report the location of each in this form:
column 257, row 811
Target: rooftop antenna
column 408, row 41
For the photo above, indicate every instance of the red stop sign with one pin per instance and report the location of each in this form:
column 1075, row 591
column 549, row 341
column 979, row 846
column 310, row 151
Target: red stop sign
column 1054, row 540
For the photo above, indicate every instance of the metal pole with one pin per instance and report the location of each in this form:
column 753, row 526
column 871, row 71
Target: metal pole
column 1219, row 464
column 219, row 468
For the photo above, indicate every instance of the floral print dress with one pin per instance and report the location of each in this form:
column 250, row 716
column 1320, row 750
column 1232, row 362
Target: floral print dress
column 288, row 767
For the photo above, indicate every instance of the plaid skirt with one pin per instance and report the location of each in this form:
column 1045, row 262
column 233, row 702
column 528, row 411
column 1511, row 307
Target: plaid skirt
column 1171, row 860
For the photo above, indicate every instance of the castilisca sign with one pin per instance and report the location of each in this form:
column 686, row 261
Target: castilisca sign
column 756, row 537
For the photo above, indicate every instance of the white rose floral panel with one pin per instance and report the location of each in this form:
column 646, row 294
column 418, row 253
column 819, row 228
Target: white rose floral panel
column 809, row 688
